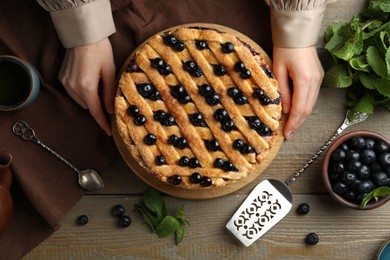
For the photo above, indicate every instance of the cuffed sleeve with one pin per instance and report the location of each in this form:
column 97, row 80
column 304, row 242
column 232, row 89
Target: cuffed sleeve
column 296, row 23
column 80, row 23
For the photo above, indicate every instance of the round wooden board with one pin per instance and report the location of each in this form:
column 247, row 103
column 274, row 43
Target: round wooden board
column 205, row 193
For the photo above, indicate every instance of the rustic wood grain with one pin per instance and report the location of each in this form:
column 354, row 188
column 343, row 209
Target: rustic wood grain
column 344, row 233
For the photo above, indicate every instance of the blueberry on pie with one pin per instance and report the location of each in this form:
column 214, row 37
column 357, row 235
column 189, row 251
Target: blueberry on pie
column 197, row 107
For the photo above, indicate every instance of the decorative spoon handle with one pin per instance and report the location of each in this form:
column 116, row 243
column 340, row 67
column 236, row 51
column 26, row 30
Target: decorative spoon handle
column 21, row 128
column 350, row 119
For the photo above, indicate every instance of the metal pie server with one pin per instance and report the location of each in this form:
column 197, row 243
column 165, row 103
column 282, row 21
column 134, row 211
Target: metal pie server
column 271, row 200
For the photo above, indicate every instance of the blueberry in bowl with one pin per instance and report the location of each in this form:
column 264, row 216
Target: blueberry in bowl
column 356, row 167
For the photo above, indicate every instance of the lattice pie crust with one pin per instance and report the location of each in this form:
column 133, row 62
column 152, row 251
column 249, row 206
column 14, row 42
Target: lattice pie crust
column 197, row 107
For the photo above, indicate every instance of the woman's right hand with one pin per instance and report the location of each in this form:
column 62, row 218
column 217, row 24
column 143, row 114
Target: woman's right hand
column 88, row 75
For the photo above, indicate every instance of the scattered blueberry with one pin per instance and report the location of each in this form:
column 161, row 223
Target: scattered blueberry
column 118, row 210
column 124, row 221
column 312, row 239
column 82, row 220
column 303, row 208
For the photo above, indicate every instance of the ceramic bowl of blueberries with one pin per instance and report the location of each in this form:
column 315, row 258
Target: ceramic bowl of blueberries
column 355, row 164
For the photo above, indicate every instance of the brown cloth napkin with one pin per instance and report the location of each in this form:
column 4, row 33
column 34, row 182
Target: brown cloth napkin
column 44, row 188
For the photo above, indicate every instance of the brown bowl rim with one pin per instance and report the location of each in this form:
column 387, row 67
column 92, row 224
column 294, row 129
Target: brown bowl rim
column 325, row 163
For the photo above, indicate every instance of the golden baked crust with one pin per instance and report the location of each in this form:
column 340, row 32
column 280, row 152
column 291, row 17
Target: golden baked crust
column 197, row 100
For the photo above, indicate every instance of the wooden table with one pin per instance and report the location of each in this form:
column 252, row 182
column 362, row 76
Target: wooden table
column 344, row 233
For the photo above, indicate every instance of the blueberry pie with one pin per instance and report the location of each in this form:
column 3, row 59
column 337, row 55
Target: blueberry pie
column 197, row 107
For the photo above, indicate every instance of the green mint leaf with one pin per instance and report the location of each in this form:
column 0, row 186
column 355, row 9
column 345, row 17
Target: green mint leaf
column 373, row 82
column 179, row 234
column 377, row 9
column 167, row 226
column 359, row 63
column 148, row 216
column 368, row 80
column 338, row 76
column 181, row 218
column 376, row 61
column 376, row 194
column 155, row 203
column 384, row 5
column 344, row 40
column 366, row 104
column 387, row 60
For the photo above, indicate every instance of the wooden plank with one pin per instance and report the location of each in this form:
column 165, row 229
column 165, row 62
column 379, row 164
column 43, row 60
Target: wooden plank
column 344, row 233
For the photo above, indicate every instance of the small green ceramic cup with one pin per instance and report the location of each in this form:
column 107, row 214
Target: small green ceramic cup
column 19, row 83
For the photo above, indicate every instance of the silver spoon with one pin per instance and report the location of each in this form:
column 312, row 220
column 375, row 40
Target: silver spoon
column 271, row 200
column 351, row 118
column 89, row 179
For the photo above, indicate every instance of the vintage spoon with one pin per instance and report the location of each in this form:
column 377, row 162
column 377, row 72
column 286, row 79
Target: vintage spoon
column 271, row 200
column 89, row 179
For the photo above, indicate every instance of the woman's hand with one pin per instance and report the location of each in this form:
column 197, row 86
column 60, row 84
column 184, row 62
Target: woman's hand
column 303, row 66
column 81, row 72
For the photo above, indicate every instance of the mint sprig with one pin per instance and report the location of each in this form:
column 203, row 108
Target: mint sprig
column 375, row 194
column 153, row 210
column 360, row 51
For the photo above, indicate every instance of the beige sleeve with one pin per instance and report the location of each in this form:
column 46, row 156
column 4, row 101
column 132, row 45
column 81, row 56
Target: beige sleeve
column 80, row 22
column 296, row 23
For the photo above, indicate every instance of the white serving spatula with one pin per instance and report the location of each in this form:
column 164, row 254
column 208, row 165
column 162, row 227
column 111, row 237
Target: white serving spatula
column 271, row 200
